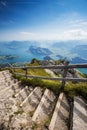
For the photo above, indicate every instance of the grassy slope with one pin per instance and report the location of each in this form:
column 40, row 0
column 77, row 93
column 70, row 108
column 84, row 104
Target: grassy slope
column 70, row 88
column 76, row 89
column 36, row 72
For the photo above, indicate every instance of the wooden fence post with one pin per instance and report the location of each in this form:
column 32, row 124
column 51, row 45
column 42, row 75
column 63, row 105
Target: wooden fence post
column 26, row 73
column 14, row 70
column 64, row 75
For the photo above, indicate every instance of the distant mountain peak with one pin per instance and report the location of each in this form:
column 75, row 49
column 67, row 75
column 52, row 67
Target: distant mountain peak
column 39, row 50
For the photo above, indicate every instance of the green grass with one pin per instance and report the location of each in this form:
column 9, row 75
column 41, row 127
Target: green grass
column 73, row 89
column 55, row 86
column 34, row 126
column 31, row 113
column 36, row 72
column 20, row 111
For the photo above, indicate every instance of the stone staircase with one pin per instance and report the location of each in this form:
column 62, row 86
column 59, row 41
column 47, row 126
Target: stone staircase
column 28, row 108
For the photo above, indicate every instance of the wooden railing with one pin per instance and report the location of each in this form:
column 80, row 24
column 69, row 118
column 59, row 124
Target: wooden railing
column 64, row 77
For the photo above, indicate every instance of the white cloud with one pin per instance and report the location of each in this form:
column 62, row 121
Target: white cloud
column 71, row 34
column 78, row 23
column 84, row 23
column 75, row 34
column 27, row 33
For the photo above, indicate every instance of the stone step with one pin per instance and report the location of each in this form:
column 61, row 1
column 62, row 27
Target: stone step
column 5, row 90
column 2, row 76
column 31, row 102
column 23, row 94
column 17, row 87
column 8, row 92
column 3, row 81
column 14, row 88
column 5, row 76
column 7, row 84
column 44, row 108
column 3, row 86
column 79, row 114
column 8, row 80
column 60, row 118
column 4, row 71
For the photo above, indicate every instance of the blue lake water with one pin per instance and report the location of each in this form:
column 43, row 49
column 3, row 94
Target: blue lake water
column 83, row 70
column 23, row 55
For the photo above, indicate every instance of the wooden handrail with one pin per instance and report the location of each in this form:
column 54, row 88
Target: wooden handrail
column 54, row 66
column 60, row 78
column 63, row 67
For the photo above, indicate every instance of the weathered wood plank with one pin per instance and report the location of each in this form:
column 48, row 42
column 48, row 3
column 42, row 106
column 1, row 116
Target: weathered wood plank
column 47, row 78
column 54, row 66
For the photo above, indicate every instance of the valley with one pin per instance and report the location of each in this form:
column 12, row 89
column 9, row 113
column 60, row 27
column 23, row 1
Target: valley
column 24, row 51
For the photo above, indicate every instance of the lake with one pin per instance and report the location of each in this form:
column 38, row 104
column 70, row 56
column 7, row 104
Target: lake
column 22, row 55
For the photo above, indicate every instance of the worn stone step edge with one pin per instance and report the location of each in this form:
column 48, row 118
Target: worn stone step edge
column 6, row 78
column 47, row 100
column 20, row 91
column 10, row 87
column 4, row 71
column 13, row 81
column 23, row 94
column 54, row 117
column 9, row 83
column 28, row 97
column 6, row 75
column 30, row 88
column 79, row 114
column 3, row 86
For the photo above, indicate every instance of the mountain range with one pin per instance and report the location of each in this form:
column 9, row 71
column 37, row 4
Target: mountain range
column 81, row 50
column 39, row 51
column 74, row 51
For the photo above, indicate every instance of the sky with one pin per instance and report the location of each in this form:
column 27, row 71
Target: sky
column 43, row 20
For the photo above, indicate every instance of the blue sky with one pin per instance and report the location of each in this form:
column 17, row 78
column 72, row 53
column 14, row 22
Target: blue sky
column 43, row 20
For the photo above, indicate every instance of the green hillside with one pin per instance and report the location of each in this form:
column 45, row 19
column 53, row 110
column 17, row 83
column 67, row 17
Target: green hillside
column 71, row 89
